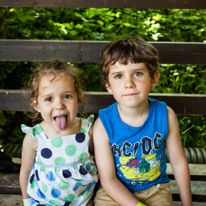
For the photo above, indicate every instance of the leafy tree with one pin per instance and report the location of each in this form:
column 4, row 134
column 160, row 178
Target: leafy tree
column 174, row 25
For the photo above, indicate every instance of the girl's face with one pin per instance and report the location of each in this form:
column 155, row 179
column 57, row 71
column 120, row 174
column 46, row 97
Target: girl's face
column 57, row 101
column 130, row 84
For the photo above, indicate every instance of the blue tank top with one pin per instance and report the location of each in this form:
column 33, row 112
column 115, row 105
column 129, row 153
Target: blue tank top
column 139, row 152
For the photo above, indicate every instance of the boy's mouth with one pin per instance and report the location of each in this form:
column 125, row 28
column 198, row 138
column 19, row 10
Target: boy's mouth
column 61, row 121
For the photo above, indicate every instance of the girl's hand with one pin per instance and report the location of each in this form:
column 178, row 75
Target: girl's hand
column 27, row 202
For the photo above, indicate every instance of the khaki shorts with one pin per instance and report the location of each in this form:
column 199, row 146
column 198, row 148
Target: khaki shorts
column 158, row 195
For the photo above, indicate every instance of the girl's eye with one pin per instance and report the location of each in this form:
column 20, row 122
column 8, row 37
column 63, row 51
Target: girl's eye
column 48, row 99
column 67, row 96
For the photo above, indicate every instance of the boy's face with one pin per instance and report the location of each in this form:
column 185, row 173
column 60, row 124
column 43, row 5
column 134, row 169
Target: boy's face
column 130, row 84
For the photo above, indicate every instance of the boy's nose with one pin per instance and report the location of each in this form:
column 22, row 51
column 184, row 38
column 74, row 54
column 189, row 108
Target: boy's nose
column 129, row 83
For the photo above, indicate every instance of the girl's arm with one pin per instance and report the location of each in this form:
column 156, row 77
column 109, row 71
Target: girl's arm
column 178, row 160
column 27, row 160
column 106, row 168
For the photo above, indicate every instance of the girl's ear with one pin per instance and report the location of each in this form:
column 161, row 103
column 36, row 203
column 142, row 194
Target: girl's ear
column 80, row 98
column 155, row 80
column 34, row 104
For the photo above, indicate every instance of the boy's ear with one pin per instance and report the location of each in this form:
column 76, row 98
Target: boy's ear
column 155, row 80
column 34, row 104
column 108, row 88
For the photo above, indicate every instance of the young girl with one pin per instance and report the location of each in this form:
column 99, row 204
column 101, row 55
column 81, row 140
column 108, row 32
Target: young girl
column 57, row 168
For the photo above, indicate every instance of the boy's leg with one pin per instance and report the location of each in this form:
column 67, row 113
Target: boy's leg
column 156, row 195
column 103, row 199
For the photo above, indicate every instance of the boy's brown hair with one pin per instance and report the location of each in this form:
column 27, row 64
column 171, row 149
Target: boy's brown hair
column 134, row 49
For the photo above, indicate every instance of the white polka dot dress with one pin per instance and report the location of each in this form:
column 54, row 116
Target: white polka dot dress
column 64, row 172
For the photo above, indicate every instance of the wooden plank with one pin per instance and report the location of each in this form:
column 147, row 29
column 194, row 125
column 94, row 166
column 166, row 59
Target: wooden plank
column 9, row 179
column 10, row 200
column 9, row 187
column 195, row 169
column 180, row 103
column 9, row 184
column 88, row 51
column 16, row 200
column 159, row 4
column 18, row 100
column 197, row 188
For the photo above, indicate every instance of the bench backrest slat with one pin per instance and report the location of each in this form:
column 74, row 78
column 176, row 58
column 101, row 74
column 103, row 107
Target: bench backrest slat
column 156, row 4
column 88, row 51
column 18, row 100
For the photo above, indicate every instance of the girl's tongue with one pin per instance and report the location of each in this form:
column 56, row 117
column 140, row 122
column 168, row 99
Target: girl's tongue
column 61, row 121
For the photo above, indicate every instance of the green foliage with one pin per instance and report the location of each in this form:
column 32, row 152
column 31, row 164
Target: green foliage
column 104, row 24
column 185, row 79
column 10, row 133
column 193, row 131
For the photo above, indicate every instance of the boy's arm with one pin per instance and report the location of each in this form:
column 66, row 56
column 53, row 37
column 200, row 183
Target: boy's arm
column 178, row 160
column 27, row 160
column 106, row 168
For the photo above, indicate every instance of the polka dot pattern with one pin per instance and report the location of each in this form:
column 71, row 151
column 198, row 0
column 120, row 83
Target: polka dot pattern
column 62, row 165
column 55, row 192
column 57, row 142
column 33, row 184
column 40, row 194
column 46, row 153
column 80, row 137
column 37, row 131
column 63, row 185
column 77, row 185
column 60, row 161
column 67, row 173
column 50, row 176
column 82, row 170
column 54, row 202
column 71, row 150
column 69, row 198
column 83, row 156
column 44, row 187
column 37, row 175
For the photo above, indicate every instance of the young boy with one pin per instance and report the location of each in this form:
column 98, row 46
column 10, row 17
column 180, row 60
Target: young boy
column 130, row 135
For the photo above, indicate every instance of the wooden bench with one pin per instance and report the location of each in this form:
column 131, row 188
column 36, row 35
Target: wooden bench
column 10, row 194
column 88, row 51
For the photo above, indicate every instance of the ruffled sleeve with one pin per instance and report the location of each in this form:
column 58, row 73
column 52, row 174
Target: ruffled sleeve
column 25, row 129
column 36, row 131
column 86, row 123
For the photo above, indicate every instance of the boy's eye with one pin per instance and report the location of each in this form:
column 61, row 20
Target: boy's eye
column 118, row 76
column 138, row 73
column 67, row 96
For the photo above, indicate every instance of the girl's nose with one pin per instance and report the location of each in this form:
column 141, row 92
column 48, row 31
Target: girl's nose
column 60, row 104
